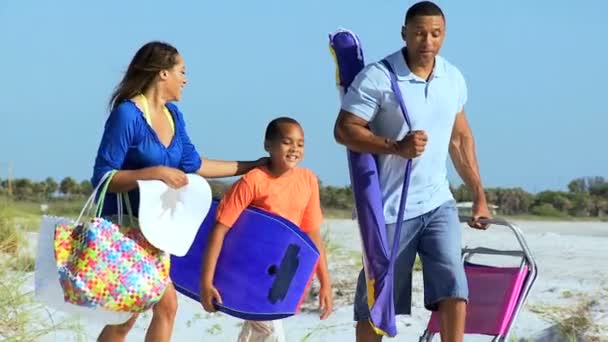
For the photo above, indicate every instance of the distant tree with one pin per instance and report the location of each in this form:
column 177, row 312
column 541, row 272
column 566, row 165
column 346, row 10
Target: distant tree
column 4, row 186
column 22, row 188
column 558, row 200
column 578, row 185
column 515, row 201
column 582, row 204
column 462, row 194
column 595, row 183
column 599, row 190
column 546, row 209
column 51, row 186
column 39, row 190
column 336, row 197
column 85, row 188
column 601, row 207
column 68, row 186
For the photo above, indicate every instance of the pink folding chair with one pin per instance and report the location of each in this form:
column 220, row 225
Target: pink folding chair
column 496, row 294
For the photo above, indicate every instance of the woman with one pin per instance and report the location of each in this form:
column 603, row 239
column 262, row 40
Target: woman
column 145, row 138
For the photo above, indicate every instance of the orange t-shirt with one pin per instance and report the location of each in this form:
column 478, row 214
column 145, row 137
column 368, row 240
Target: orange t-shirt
column 294, row 196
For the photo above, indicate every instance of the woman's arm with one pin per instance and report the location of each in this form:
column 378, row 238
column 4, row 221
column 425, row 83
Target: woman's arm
column 126, row 180
column 221, row 168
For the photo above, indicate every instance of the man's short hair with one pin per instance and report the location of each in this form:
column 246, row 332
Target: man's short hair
column 423, row 8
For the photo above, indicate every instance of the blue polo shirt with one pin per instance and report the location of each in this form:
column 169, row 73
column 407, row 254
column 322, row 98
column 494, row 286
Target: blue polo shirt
column 432, row 106
column 130, row 143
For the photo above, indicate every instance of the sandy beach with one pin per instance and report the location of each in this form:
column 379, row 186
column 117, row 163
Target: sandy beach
column 573, row 281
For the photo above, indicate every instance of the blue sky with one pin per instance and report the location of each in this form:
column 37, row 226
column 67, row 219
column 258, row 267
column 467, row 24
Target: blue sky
column 535, row 72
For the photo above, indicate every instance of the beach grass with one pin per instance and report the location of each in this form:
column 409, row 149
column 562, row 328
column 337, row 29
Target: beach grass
column 575, row 321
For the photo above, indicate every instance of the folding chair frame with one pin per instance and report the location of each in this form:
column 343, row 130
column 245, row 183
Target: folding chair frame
column 527, row 260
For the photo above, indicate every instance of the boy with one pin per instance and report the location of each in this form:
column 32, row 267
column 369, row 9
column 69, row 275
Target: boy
column 281, row 188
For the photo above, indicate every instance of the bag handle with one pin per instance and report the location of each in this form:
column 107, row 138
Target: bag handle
column 103, row 185
column 119, row 198
column 119, row 202
column 91, row 200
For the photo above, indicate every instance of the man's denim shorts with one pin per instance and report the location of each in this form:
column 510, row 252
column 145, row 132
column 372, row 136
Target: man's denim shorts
column 436, row 237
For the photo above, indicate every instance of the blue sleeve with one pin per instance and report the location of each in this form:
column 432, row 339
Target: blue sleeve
column 191, row 160
column 364, row 96
column 119, row 133
column 462, row 91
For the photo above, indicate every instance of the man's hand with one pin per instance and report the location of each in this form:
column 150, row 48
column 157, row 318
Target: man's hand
column 208, row 294
column 480, row 211
column 412, row 145
column 325, row 302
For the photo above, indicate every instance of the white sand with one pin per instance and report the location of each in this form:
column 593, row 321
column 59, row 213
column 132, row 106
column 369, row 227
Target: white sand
column 572, row 259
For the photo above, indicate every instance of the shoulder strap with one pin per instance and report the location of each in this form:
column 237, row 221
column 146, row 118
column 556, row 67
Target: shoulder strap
column 397, row 91
column 165, row 110
column 408, row 168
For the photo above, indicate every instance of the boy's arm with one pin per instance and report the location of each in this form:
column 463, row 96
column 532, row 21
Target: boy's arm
column 311, row 223
column 212, row 252
column 322, row 270
column 236, row 199
column 209, row 293
column 325, row 292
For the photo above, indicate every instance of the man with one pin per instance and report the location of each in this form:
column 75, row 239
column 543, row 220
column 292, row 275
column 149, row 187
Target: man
column 371, row 121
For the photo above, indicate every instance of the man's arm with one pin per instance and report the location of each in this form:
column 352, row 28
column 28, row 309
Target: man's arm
column 353, row 132
column 462, row 152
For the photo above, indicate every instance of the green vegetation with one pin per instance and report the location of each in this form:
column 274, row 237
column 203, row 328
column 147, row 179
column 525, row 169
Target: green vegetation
column 586, row 199
column 574, row 321
column 21, row 317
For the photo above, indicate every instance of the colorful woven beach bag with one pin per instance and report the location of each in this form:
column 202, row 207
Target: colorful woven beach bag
column 109, row 265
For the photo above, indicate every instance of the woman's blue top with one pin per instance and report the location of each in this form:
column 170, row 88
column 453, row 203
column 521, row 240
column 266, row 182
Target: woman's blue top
column 130, row 143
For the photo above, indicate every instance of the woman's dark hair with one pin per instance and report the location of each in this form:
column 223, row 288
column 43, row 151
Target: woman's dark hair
column 145, row 65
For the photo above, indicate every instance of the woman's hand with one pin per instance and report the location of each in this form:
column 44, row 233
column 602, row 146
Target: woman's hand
column 174, row 178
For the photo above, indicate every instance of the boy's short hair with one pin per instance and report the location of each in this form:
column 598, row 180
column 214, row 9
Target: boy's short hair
column 272, row 130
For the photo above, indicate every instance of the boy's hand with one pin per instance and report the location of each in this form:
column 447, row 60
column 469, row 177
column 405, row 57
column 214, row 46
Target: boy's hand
column 208, row 295
column 325, row 301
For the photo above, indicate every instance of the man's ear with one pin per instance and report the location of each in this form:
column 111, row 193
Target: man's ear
column 266, row 146
column 403, row 35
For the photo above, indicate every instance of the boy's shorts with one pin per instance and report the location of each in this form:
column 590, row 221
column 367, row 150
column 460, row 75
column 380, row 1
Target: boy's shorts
column 436, row 237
